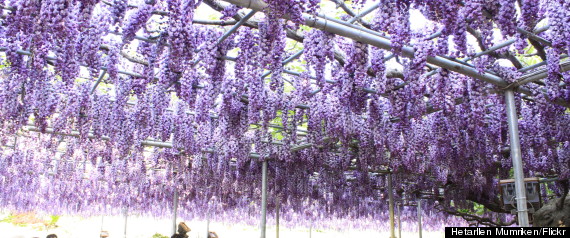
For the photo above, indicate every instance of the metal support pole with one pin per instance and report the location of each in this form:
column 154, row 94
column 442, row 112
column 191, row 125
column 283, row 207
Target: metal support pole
column 126, row 215
column 399, row 222
column 311, row 230
column 512, row 120
column 391, row 204
column 277, row 208
column 174, row 210
column 263, row 197
column 208, row 226
column 420, row 217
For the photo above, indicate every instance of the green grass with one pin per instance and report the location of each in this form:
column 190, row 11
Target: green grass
column 157, row 235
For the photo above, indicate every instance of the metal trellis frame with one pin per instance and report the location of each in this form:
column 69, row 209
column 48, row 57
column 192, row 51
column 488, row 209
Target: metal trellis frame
column 373, row 38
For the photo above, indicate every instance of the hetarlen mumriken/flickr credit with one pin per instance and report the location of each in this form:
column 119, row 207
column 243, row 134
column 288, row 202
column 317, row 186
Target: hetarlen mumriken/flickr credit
column 501, row 231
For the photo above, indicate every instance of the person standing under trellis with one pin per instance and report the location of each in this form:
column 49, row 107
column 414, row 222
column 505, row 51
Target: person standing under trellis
column 182, row 230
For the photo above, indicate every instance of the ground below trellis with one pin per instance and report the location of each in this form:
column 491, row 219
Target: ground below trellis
column 141, row 227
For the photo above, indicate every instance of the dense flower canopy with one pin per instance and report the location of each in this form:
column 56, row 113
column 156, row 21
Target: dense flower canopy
column 136, row 99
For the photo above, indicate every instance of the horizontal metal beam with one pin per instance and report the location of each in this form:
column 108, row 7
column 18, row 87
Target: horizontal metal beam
column 101, row 76
column 533, row 36
column 153, row 143
column 300, row 52
column 511, row 41
column 538, row 75
column 236, row 26
column 491, row 49
column 372, row 39
column 214, row 22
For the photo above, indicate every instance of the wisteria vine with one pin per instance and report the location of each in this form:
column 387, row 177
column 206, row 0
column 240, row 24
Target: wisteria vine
column 104, row 82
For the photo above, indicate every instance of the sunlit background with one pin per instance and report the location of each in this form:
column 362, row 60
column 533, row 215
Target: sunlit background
column 31, row 225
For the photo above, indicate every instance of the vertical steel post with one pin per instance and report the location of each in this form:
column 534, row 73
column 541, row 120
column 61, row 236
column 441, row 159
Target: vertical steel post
column 512, row 120
column 263, row 197
column 277, row 208
column 208, row 225
column 399, row 222
column 174, row 210
column 311, row 230
column 126, row 215
column 391, row 204
column 420, row 216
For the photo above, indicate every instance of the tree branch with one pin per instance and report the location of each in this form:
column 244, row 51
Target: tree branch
column 469, row 217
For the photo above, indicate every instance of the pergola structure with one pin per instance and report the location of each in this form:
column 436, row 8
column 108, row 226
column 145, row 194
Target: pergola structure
column 525, row 81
